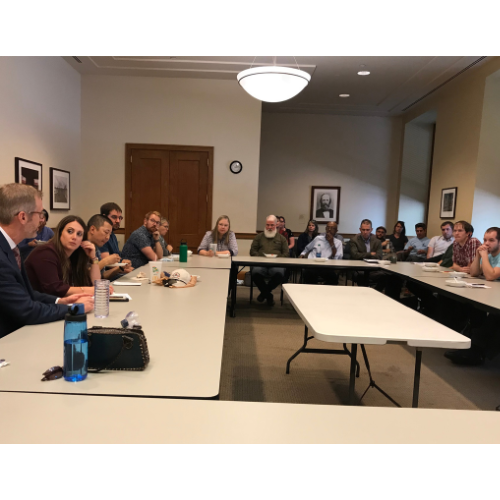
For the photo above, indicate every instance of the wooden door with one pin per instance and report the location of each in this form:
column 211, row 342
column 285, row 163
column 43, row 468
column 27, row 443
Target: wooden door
column 176, row 181
column 188, row 198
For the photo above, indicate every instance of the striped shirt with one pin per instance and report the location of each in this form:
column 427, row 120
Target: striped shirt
column 463, row 256
column 221, row 244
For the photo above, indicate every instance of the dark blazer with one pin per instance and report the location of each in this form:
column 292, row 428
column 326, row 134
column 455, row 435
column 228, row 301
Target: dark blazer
column 319, row 213
column 20, row 305
column 358, row 248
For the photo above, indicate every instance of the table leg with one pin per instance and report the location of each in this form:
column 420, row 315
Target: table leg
column 352, row 377
column 416, row 379
column 233, row 275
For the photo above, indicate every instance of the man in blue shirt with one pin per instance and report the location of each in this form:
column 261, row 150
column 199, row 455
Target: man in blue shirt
column 113, row 212
column 487, row 260
column 416, row 248
column 143, row 244
column 43, row 234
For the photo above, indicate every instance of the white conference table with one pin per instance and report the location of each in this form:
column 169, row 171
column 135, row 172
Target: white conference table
column 54, row 418
column 289, row 262
column 200, row 261
column 410, row 270
column 345, row 315
column 184, row 331
column 483, row 298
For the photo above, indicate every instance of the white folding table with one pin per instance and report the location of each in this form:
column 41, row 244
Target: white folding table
column 184, row 331
column 346, row 315
column 62, row 418
column 287, row 262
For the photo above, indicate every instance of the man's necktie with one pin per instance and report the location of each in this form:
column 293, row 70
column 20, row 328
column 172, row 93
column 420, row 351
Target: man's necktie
column 17, row 254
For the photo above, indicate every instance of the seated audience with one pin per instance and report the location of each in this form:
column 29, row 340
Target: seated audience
column 286, row 233
column 439, row 244
column 327, row 246
column 164, row 225
column 381, row 233
column 67, row 264
column 113, row 212
column 464, row 246
column 222, row 236
column 43, row 233
column 398, row 237
column 307, row 236
column 487, row 260
column 143, row 244
column 20, row 213
column 365, row 245
column 99, row 231
column 416, row 248
column 268, row 242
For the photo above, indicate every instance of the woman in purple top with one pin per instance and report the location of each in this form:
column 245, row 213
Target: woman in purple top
column 43, row 234
column 222, row 236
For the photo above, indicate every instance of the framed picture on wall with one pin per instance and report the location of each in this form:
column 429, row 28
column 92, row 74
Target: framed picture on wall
column 325, row 203
column 59, row 189
column 28, row 172
column 448, row 203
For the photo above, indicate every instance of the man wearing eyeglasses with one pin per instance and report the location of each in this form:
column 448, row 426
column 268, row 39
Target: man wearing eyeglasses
column 20, row 212
column 144, row 243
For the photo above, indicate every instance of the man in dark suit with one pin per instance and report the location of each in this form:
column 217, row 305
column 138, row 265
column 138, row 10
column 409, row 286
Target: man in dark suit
column 325, row 212
column 365, row 245
column 20, row 305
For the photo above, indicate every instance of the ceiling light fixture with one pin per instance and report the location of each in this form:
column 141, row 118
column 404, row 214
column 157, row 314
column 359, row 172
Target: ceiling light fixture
column 363, row 73
column 344, row 95
column 273, row 83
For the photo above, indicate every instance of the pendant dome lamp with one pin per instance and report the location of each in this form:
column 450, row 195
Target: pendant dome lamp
column 273, row 83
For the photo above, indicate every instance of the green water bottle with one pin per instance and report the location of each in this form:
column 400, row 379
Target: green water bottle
column 183, row 251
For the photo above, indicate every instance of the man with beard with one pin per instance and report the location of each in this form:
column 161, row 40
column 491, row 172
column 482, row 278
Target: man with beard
column 325, row 211
column 144, row 243
column 268, row 242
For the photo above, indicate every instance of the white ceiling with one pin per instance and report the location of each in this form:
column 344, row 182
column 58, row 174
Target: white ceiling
column 393, row 85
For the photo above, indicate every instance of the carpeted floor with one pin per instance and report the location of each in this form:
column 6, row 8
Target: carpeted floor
column 259, row 341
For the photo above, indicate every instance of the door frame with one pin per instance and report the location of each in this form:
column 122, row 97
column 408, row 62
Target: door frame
column 129, row 147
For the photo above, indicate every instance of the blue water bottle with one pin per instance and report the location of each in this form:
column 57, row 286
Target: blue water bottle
column 76, row 344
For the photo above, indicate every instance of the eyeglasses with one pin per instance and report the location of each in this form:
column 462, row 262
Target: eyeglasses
column 41, row 215
column 154, row 221
column 116, row 217
column 52, row 373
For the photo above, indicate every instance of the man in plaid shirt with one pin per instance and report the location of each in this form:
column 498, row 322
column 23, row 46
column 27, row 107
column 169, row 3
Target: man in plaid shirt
column 464, row 246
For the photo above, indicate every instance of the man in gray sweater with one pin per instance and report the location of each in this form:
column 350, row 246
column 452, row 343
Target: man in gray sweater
column 269, row 242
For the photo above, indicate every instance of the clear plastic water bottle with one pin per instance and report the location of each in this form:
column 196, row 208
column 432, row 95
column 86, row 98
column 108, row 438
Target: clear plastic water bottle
column 318, row 251
column 76, row 345
column 131, row 320
column 101, row 298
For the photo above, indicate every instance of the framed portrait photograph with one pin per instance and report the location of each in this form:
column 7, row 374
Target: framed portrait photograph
column 59, row 189
column 28, row 172
column 448, row 203
column 325, row 203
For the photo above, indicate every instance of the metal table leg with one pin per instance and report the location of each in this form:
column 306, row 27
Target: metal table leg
column 416, row 379
column 352, row 376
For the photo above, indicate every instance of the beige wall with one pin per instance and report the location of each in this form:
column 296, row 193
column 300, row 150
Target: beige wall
column 359, row 154
column 459, row 107
column 218, row 113
column 40, row 120
column 486, row 211
column 415, row 171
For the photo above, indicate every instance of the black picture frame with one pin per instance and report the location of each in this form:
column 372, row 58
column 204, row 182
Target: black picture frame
column 333, row 208
column 60, row 189
column 28, row 172
column 448, row 205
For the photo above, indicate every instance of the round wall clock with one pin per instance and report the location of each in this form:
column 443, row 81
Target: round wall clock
column 236, row 167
